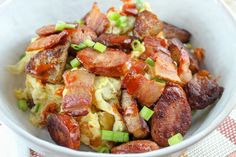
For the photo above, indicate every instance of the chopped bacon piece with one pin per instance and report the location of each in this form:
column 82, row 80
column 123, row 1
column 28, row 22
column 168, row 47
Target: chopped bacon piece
column 64, row 130
column 77, row 95
column 47, row 42
column 135, row 124
column 172, row 31
column 46, row 30
column 116, row 41
column 146, row 91
column 96, row 20
column 154, row 45
column 135, row 67
column 165, row 68
column 81, row 34
column 147, row 24
column 181, row 55
column 110, row 63
column 48, row 65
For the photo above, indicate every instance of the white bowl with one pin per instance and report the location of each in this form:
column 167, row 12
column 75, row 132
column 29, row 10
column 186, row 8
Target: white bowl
column 212, row 28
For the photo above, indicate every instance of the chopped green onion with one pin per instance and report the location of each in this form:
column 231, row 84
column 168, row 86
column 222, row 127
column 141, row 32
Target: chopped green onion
column 22, row 105
column 79, row 21
column 114, row 16
column 103, row 150
column 89, row 43
column 75, row 63
column 115, row 136
column 138, row 46
column 188, row 45
column 36, row 108
column 78, row 47
column 177, row 138
column 139, row 4
column 146, row 113
column 150, row 62
column 99, row 47
column 61, row 25
column 159, row 80
column 22, row 56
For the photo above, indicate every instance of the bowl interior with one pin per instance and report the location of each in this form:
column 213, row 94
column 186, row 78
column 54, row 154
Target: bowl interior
column 211, row 27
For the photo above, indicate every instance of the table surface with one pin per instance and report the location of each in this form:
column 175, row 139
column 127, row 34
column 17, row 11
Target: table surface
column 220, row 143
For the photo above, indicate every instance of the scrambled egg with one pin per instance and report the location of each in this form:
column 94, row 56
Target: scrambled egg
column 107, row 92
column 19, row 67
column 46, row 98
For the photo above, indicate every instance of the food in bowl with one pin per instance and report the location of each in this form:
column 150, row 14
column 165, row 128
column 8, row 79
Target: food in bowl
column 120, row 82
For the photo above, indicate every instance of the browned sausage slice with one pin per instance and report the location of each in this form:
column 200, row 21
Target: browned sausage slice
column 64, row 130
column 47, row 42
column 172, row 31
column 146, row 91
column 147, row 24
column 96, row 20
column 46, row 30
column 116, row 41
column 135, row 124
column 202, row 91
column 110, row 63
column 139, row 146
column 48, row 65
column 81, row 34
column 172, row 115
column 154, row 45
column 77, row 95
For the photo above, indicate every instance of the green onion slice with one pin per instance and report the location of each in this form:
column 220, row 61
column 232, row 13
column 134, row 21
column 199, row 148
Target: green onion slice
column 177, row 138
column 138, row 46
column 36, row 108
column 79, row 21
column 61, row 25
column 89, row 43
column 146, row 113
column 150, row 62
column 22, row 56
column 115, row 136
column 22, row 105
column 78, row 47
column 100, row 47
column 114, row 16
column 74, row 63
column 103, row 150
column 139, row 4
column 159, row 80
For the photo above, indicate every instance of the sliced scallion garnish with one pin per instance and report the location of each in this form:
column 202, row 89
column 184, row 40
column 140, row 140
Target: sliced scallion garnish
column 61, row 25
column 99, row 47
column 74, row 63
column 146, row 113
column 150, row 62
column 177, row 138
column 22, row 105
column 115, row 136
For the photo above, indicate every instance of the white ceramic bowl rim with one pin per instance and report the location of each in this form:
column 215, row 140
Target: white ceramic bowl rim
column 231, row 99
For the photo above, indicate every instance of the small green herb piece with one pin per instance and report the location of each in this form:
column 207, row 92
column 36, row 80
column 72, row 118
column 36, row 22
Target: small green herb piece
column 78, row 47
column 146, row 113
column 150, row 62
column 22, row 105
column 61, row 25
column 100, row 47
column 159, row 80
column 74, row 63
column 89, row 43
column 177, row 138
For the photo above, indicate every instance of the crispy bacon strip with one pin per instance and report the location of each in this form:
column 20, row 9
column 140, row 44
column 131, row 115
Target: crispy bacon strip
column 165, row 68
column 181, row 55
column 77, row 95
column 146, row 91
column 135, row 124
column 96, row 20
column 110, row 63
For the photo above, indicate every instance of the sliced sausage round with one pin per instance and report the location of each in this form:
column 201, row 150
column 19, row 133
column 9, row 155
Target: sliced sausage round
column 64, row 130
column 110, row 63
column 81, row 34
column 172, row 115
column 46, row 30
column 139, row 146
column 202, row 91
